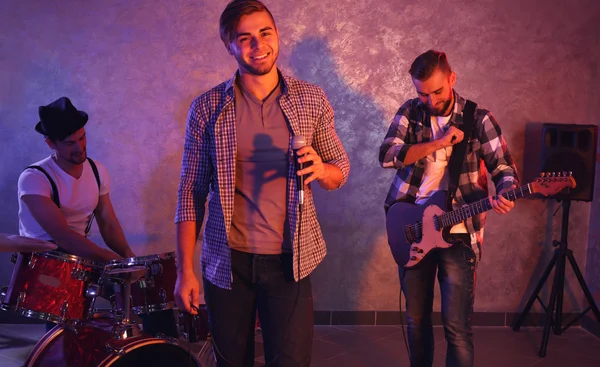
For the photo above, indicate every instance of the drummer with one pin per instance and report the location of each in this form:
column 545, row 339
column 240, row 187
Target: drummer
column 60, row 195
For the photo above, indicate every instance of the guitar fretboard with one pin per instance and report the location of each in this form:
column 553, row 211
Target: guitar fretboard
column 478, row 207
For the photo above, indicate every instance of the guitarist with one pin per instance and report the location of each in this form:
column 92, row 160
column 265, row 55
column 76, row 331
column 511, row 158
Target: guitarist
column 419, row 144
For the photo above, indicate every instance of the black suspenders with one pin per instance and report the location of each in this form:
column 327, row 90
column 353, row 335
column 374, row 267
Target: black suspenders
column 55, row 197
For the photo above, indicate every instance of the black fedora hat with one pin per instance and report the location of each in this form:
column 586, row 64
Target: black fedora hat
column 60, row 119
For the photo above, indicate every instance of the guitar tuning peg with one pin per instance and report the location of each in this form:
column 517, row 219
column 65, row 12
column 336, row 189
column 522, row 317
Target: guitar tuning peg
column 570, row 173
column 543, row 174
column 564, row 173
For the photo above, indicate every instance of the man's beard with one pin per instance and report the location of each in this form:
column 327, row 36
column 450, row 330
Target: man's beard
column 440, row 111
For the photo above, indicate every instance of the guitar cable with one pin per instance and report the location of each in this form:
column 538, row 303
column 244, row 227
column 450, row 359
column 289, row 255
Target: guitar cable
column 400, row 312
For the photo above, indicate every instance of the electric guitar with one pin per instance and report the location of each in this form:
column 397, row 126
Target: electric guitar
column 414, row 230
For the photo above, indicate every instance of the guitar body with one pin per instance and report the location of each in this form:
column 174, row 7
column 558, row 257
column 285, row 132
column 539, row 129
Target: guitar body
column 414, row 230
column 407, row 252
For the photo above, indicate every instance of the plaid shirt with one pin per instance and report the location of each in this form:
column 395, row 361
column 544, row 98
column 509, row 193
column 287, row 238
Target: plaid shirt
column 486, row 151
column 208, row 171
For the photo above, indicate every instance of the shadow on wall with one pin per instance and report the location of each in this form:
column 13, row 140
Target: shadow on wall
column 352, row 218
column 159, row 196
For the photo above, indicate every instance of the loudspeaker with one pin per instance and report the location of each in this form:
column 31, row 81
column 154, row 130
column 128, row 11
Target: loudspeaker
column 571, row 148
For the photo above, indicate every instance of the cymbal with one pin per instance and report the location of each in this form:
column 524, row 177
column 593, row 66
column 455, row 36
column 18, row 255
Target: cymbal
column 15, row 243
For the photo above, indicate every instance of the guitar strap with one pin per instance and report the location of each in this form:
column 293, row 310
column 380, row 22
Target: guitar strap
column 458, row 152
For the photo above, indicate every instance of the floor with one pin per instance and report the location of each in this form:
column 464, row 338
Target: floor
column 354, row 346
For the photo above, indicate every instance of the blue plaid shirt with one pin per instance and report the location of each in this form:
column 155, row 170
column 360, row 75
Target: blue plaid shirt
column 208, row 170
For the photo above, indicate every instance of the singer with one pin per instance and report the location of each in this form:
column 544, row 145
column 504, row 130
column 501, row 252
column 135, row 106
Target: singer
column 259, row 244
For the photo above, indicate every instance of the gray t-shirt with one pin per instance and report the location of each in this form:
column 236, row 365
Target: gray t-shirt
column 263, row 137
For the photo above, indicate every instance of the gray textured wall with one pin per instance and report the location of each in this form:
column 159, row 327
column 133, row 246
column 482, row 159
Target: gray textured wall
column 592, row 270
column 135, row 66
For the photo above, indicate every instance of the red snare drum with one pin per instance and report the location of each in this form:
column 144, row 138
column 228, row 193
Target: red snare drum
column 154, row 290
column 93, row 345
column 52, row 286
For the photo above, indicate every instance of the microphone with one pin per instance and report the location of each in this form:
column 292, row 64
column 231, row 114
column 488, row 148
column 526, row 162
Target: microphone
column 298, row 142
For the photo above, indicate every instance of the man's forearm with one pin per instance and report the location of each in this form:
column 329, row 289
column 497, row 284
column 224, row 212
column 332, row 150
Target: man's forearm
column 333, row 179
column 113, row 236
column 78, row 245
column 421, row 150
column 187, row 235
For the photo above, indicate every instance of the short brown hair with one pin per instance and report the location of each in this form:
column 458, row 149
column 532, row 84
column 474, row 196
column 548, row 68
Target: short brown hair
column 234, row 11
column 425, row 64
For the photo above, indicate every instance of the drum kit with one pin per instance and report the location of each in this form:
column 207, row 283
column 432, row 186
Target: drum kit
column 63, row 288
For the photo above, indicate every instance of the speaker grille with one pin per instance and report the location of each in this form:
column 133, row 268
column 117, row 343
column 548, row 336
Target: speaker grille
column 571, row 148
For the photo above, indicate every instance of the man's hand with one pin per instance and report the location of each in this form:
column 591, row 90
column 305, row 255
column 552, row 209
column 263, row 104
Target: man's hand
column 503, row 205
column 451, row 137
column 317, row 169
column 187, row 291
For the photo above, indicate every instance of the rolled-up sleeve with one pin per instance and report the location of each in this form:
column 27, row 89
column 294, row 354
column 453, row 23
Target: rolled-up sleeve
column 327, row 143
column 196, row 168
column 392, row 151
column 496, row 156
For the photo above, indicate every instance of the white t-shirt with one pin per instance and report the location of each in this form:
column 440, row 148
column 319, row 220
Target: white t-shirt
column 78, row 196
column 436, row 177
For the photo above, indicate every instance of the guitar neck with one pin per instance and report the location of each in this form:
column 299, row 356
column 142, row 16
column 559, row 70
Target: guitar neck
column 459, row 215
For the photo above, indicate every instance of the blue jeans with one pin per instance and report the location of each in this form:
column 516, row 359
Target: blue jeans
column 285, row 310
column 455, row 269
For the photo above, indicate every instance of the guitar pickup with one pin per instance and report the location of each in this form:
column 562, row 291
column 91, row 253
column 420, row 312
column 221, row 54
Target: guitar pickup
column 409, row 233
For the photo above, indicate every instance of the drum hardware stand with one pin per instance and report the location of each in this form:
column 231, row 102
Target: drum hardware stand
column 125, row 328
column 3, row 293
column 163, row 297
column 115, row 349
column 32, row 261
column 63, row 309
column 92, row 291
column 20, row 299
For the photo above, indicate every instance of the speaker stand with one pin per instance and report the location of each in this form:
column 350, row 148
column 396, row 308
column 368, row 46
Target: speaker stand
column 554, row 319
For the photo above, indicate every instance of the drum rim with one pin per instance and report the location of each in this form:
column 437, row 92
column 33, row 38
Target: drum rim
column 69, row 257
column 154, row 307
column 138, row 343
column 42, row 344
column 37, row 315
column 139, row 260
column 112, row 356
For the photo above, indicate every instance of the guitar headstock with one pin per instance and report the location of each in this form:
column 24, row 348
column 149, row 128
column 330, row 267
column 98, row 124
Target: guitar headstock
column 551, row 183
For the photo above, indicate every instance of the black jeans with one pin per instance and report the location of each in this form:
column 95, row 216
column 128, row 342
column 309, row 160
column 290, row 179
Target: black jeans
column 455, row 269
column 285, row 310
